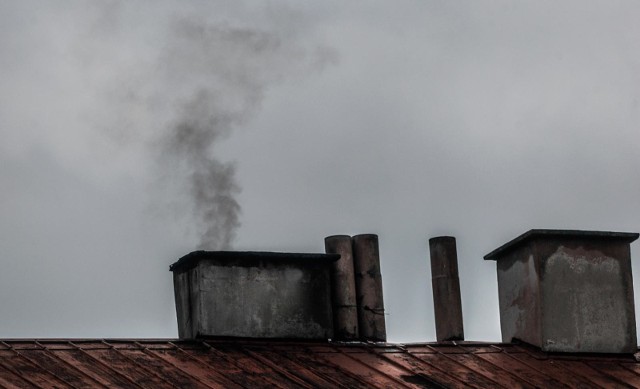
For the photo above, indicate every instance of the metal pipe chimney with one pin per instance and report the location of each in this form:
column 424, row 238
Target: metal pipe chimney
column 343, row 288
column 447, row 302
column 366, row 263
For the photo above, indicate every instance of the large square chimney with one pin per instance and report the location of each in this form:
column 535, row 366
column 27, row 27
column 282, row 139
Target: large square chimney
column 568, row 291
column 254, row 294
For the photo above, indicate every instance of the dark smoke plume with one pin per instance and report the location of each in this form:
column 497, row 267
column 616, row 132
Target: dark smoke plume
column 220, row 75
column 211, row 183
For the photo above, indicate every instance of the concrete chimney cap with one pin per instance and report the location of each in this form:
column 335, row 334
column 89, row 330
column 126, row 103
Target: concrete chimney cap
column 626, row 237
column 248, row 258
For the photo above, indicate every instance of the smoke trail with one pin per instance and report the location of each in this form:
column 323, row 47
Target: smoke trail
column 211, row 183
column 220, row 75
column 180, row 85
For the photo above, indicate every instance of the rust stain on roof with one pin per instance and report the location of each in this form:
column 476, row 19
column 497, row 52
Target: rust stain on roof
column 241, row 363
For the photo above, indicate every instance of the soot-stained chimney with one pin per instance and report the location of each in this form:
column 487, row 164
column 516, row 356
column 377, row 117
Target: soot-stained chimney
column 253, row 294
column 568, row 291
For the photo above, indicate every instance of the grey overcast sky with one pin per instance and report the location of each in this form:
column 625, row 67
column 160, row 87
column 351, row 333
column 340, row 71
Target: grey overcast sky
column 135, row 132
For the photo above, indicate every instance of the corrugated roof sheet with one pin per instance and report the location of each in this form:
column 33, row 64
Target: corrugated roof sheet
column 235, row 363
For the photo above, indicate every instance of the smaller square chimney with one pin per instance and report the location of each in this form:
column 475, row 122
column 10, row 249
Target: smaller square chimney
column 568, row 291
column 254, row 294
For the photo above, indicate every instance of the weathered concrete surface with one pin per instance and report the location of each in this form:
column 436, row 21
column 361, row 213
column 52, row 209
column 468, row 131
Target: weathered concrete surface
column 519, row 297
column 366, row 263
column 184, row 295
column 445, row 283
column 343, row 288
column 593, row 292
column 256, row 295
column 568, row 291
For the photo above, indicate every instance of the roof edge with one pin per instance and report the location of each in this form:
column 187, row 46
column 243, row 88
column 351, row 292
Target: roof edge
column 627, row 237
column 194, row 257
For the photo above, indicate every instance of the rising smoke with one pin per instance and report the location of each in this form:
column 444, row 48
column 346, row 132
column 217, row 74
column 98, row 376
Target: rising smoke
column 219, row 75
column 211, row 183
column 178, row 79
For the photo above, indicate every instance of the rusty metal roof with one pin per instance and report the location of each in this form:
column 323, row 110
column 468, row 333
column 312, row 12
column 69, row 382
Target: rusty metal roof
column 235, row 363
